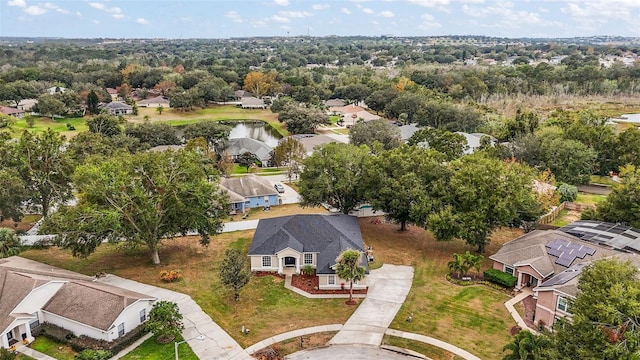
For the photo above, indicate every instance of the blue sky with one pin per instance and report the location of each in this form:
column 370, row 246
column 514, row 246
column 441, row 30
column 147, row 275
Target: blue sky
column 224, row 19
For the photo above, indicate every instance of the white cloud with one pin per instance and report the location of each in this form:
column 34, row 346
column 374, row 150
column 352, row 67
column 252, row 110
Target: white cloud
column 295, row 14
column 142, row 21
column 387, row 14
column 78, row 14
column 280, row 19
column 63, row 11
column 428, row 22
column 430, row 3
column 234, row 16
column 320, row 6
column 49, row 5
column 35, row 10
column 281, row 2
column 345, row 11
column 17, row 3
column 368, row 11
column 96, row 22
column 115, row 11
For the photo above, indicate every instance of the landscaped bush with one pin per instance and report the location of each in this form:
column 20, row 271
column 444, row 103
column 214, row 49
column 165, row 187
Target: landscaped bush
column 90, row 354
column 170, row 275
column 501, row 278
column 81, row 343
column 567, row 192
column 308, row 270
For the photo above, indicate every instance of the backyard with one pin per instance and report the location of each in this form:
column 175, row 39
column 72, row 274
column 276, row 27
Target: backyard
column 439, row 309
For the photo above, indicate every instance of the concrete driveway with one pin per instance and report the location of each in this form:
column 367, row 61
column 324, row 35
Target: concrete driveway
column 347, row 352
column 388, row 288
column 290, row 196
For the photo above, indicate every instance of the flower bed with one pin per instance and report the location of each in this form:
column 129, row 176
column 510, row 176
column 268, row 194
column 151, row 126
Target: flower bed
column 310, row 284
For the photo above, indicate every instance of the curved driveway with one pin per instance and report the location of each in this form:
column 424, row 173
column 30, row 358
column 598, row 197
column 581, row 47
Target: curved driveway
column 388, row 288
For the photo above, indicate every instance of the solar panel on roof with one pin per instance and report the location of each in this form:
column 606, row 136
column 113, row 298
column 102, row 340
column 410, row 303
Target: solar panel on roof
column 567, row 251
column 602, row 227
column 629, row 236
column 564, row 261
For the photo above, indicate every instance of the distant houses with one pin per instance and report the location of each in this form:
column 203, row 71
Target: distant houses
column 116, row 108
column 239, row 146
column 16, row 113
column 252, row 103
column 155, row 102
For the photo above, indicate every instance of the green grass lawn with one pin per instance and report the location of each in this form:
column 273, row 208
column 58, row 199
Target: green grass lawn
column 52, row 348
column 591, row 199
column 41, row 124
column 152, row 350
column 560, row 221
column 429, row 351
column 602, row 180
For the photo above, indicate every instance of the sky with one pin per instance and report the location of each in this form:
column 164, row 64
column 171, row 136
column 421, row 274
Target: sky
column 245, row 18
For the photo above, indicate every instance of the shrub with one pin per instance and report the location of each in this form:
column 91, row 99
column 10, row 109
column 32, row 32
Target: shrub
column 589, row 214
column 90, row 354
column 308, row 270
column 567, row 192
column 84, row 342
column 170, row 275
column 501, row 278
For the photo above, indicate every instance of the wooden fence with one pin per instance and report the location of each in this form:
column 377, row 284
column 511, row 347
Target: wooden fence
column 567, row 205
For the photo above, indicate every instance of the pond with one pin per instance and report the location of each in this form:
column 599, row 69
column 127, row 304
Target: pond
column 628, row 118
column 258, row 130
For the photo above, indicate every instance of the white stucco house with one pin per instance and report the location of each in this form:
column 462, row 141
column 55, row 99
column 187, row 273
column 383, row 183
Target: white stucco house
column 32, row 293
column 288, row 243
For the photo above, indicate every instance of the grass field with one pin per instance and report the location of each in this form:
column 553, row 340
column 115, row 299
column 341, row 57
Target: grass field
column 52, row 348
column 472, row 317
column 590, row 199
column 152, row 350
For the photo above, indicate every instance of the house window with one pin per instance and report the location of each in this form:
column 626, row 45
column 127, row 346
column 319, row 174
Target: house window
column 266, row 261
column 331, row 280
column 308, row 259
column 563, row 304
column 10, row 335
column 121, row 330
column 143, row 315
column 508, row 269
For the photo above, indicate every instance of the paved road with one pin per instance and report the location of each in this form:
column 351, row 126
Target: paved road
column 388, row 288
column 217, row 343
column 347, row 352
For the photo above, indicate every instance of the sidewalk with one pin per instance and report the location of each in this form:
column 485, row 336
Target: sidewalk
column 292, row 334
column 512, row 310
column 388, row 288
column 287, row 285
column 435, row 342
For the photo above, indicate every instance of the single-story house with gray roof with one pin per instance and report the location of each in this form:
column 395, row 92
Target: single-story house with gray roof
column 158, row 101
column 239, row 146
column 118, row 108
column 249, row 191
column 252, row 103
column 286, row 244
column 32, row 293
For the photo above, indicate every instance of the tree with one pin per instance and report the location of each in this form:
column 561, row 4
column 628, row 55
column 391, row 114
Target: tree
column 622, row 205
column 482, row 195
column 165, row 321
column 225, row 164
column 247, row 159
column 570, row 161
column 92, row 102
column 260, row 84
column 604, row 324
column 302, row 120
column 6, row 354
column 50, row 106
column 333, row 174
column 213, row 132
column 349, row 268
column 12, row 194
column 453, row 145
column 9, row 243
column 290, row 153
column 90, row 354
column 234, row 273
column 462, row 263
column 87, row 144
column 142, row 198
column 104, row 125
column 154, row 134
column 45, row 168
column 527, row 346
column 367, row 133
column 379, row 99
column 402, row 183
column 159, row 109
column 567, row 192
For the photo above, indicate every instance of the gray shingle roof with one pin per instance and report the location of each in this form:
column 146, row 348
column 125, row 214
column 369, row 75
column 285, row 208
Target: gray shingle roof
column 249, row 186
column 239, row 146
column 117, row 105
column 326, row 235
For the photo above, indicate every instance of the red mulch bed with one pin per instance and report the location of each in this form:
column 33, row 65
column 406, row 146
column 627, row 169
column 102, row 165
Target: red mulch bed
column 310, row 284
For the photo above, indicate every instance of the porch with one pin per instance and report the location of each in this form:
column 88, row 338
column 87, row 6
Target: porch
column 20, row 334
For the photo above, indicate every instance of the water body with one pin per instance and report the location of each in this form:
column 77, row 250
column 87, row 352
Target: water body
column 628, row 118
column 258, row 130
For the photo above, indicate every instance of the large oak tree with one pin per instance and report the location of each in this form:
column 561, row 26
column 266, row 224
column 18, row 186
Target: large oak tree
column 143, row 199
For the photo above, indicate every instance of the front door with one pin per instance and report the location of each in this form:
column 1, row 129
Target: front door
column 289, row 261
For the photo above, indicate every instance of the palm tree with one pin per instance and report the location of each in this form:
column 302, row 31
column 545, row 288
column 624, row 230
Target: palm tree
column 473, row 261
column 526, row 346
column 458, row 265
column 348, row 268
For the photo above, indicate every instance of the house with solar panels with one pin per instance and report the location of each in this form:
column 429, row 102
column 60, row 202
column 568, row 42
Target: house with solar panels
column 549, row 262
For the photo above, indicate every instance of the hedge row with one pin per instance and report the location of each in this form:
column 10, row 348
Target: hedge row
column 500, row 278
column 83, row 342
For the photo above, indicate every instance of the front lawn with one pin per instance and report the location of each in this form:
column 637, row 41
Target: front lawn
column 471, row 317
column 52, row 348
column 152, row 350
